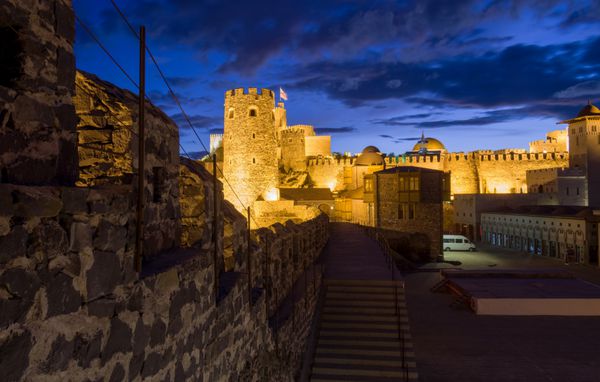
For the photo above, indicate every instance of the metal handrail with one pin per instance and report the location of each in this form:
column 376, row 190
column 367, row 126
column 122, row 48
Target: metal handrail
column 387, row 253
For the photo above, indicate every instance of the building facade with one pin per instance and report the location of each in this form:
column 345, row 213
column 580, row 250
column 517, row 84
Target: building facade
column 566, row 233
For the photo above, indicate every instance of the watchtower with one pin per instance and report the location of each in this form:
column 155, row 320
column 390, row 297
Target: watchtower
column 249, row 146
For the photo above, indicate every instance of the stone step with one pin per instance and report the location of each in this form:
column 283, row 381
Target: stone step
column 364, row 296
column 348, row 302
column 364, row 373
column 364, row 310
column 358, row 318
column 345, row 282
column 363, row 361
column 359, row 325
column 361, row 289
column 409, row 354
column 391, row 343
column 360, row 334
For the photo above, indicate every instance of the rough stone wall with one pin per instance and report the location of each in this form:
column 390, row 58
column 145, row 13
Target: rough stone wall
column 280, row 211
column 292, row 150
column 428, row 216
column 319, row 145
column 73, row 307
column 37, row 119
column 250, row 145
column 108, row 154
column 325, row 172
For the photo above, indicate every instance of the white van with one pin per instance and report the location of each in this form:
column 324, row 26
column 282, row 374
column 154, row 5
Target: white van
column 458, row 243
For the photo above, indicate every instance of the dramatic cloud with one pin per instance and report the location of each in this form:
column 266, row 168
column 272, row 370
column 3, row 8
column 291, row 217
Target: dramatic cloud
column 197, row 121
column 334, row 130
column 382, row 66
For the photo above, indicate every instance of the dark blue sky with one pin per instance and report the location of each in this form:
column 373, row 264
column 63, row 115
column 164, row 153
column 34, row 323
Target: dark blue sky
column 474, row 74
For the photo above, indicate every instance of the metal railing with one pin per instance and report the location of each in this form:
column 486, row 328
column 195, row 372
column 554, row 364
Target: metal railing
column 389, row 256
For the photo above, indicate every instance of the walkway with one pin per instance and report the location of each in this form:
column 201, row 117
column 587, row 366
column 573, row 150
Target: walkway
column 363, row 334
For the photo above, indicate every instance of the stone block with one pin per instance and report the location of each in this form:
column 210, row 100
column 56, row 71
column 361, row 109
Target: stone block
column 118, row 374
column 48, row 239
column 104, row 275
column 110, row 237
column 74, row 200
column 80, row 237
column 22, row 286
column 6, row 200
column 14, row 244
column 36, row 202
column 135, row 366
column 60, row 354
column 85, row 349
column 141, row 336
column 62, row 296
column 119, row 340
column 152, row 365
column 103, row 307
column 14, row 355
column 158, row 332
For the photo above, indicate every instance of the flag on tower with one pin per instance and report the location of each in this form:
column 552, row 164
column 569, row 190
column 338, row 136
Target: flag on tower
column 282, row 94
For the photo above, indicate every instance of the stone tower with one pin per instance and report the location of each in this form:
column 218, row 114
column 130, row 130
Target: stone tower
column 584, row 149
column 250, row 146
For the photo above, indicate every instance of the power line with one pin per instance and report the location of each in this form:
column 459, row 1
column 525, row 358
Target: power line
column 176, row 99
column 89, row 31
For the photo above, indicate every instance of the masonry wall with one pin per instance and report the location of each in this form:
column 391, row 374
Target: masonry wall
column 74, row 308
column 292, row 150
column 37, row 119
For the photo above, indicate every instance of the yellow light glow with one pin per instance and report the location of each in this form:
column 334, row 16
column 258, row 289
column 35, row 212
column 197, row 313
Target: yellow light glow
column 332, row 185
column 272, row 195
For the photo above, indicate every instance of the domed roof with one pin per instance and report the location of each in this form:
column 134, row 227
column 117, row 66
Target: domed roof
column 370, row 156
column 370, row 149
column 429, row 144
column 588, row 110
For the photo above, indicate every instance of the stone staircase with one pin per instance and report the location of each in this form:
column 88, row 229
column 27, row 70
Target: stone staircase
column 358, row 334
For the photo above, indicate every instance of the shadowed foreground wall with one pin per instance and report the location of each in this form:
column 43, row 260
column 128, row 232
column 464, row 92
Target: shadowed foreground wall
column 73, row 308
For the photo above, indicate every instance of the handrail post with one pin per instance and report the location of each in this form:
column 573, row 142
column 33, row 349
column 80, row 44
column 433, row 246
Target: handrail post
column 139, row 231
column 249, row 260
column 215, row 228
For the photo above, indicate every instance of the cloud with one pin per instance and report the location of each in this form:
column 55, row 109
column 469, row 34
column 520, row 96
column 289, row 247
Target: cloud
column 335, row 130
column 516, row 75
column 587, row 88
column 198, row 121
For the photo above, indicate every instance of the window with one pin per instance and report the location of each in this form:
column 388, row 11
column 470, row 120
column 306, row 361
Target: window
column 413, row 183
column 577, row 191
column 253, row 136
column 253, row 160
column 252, row 112
column 368, row 185
column 567, row 191
column 411, row 211
column 400, row 211
column 230, row 114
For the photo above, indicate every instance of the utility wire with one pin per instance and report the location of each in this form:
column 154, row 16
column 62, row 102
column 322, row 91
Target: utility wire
column 176, row 99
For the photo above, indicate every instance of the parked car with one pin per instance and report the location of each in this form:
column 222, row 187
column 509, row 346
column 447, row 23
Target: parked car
column 458, row 243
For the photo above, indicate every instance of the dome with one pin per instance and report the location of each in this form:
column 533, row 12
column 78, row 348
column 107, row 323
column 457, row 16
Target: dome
column 429, row 144
column 370, row 149
column 370, row 156
column 588, row 110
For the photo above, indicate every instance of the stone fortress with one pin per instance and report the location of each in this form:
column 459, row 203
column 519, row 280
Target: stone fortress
column 260, row 154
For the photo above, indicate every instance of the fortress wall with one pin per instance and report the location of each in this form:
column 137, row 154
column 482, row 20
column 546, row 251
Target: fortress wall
column 74, row 308
column 508, row 173
column 464, row 176
column 292, row 150
column 318, row 145
column 327, row 172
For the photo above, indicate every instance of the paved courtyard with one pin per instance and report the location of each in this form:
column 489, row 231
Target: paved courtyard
column 454, row 344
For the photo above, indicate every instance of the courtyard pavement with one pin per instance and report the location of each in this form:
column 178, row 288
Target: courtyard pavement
column 454, row 344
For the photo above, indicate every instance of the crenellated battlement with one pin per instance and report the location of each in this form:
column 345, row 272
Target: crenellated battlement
column 243, row 92
column 331, row 162
column 292, row 133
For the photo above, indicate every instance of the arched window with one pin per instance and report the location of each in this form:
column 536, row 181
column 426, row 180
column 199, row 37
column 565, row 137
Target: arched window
column 230, row 114
column 252, row 112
